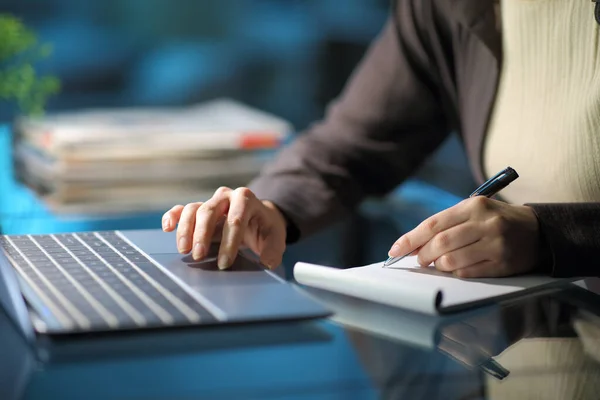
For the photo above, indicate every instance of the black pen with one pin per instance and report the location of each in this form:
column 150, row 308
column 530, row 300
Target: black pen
column 488, row 189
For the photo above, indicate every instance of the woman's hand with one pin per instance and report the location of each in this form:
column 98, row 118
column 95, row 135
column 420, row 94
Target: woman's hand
column 479, row 237
column 235, row 218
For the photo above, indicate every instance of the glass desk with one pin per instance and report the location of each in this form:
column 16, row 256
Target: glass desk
column 545, row 347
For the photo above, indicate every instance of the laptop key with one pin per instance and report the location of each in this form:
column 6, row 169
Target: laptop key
column 96, row 261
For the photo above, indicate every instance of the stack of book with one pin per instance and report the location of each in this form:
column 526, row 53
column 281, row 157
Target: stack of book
column 112, row 161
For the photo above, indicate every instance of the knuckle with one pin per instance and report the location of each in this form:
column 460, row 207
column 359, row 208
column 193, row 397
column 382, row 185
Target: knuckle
column 236, row 221
column 222, row 191
column 442, row 241
column 208, row 207
column 190, row 207
column 422, row 260
column 479, row 203
column 406, row 240
column 449, row 262
column 244, row 192
column 253, row 223
column 432, row 223
column 201, row 210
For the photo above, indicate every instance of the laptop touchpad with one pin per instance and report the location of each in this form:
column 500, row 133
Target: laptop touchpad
column 205, row 273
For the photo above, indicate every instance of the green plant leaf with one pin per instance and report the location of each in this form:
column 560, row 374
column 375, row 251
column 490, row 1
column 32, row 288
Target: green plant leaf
column 19, row 81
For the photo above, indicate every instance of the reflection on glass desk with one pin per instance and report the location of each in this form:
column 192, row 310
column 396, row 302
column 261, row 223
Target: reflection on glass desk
column 545, row 347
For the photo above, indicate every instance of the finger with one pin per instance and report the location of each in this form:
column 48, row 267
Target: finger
column 185, row 227
column 464, row 257
column 449, row 240
column 271, row 246
column 207, row 219
column 171, row 218
column 483, row 269
column 251, row 237
column 218, row 232
column 241, row 206
column 427, row 229
column 265, row 240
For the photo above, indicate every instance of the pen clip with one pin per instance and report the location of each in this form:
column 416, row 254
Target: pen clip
column 501, row 179
column 484, row 187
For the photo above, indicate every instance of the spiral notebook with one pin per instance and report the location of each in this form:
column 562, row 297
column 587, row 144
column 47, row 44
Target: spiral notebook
column 425, row 290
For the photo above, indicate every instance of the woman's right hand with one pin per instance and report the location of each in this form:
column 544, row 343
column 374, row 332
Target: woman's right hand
column 234, row 218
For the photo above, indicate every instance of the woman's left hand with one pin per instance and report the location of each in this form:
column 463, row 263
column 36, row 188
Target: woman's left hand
column 477, row 238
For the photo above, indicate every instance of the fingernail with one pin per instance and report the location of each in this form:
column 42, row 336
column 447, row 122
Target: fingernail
column 394, row 251
column 183, row 244
column 198, row 251
column 268, row 265
column 166, row 223
column 223, row 262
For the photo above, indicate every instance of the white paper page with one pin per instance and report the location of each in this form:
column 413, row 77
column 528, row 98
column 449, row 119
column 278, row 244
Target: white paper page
column 372, row 282
column 406, row 285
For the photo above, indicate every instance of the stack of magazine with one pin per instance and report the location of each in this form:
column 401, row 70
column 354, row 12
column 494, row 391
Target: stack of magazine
column 107, row 161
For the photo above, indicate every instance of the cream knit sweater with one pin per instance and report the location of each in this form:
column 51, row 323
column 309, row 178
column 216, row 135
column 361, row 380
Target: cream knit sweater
column 546, row 119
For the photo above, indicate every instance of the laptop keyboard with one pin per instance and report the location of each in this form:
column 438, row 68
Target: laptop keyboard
column 98, row 281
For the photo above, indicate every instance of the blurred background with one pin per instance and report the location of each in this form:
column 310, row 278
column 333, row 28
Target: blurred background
column 287, row 57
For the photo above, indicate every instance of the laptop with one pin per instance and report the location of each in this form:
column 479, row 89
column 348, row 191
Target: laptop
column 104, row 281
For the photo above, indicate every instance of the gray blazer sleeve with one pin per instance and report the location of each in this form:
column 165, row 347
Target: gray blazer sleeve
column 386, row 121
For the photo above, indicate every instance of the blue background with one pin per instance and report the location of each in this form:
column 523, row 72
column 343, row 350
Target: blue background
column 288, row 57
